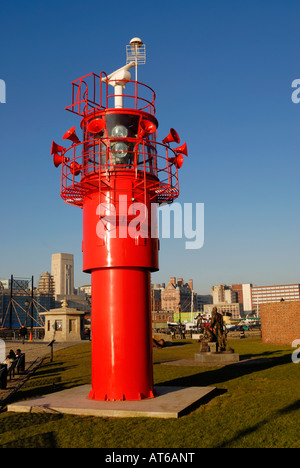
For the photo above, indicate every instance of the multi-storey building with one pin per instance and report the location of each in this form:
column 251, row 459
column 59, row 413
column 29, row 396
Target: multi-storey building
column 46, row 284
column 226, row 301
column 275, row 293
column 62, row 270
column 16, row 284
column 178, row 296
column 244, row 297
column 223, row 293
column 86, row 289
column 233, row 310
column 156, row 290
column 252, row 296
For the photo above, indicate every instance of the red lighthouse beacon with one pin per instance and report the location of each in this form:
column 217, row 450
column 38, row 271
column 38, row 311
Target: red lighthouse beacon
column 119, row 174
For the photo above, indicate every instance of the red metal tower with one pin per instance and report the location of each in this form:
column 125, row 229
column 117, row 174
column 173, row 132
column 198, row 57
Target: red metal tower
column 118, row 175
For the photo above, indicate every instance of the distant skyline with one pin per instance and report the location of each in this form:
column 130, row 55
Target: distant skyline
column 154, row 280
column 223, row 74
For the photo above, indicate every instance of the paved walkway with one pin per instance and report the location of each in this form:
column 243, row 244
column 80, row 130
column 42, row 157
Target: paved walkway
column 35, row 352
column 35, row 349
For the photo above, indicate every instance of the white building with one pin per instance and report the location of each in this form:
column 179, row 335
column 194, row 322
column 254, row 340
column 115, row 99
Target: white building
column 87, row 289
column 62, row 270
column 247, row 298
column 275, row 293
column 18, row 284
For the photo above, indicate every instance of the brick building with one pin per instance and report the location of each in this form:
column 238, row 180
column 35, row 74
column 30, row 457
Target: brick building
column 178, row 296
column 280, row 322
column 156, row 290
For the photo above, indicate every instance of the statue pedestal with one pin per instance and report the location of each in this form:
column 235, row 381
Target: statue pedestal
column 220, row 358
column 209, row 354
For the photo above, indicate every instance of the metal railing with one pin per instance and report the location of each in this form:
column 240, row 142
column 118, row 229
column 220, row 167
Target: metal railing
column 89, row 165
column 90, row 94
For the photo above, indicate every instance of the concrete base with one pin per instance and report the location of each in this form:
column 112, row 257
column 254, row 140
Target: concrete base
column 221, row 358
column 171, row 402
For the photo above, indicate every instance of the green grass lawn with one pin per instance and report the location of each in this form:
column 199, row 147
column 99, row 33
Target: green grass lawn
column 254, row 406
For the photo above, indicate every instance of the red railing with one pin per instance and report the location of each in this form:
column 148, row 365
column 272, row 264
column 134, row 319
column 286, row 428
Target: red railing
column 90, row 164
column 90, row 94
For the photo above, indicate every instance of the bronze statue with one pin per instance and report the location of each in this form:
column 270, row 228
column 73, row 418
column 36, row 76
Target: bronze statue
column 216, row 330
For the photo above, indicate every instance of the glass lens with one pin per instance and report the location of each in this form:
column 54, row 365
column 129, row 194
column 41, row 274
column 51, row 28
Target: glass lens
column 120, row 131
column 121, row 148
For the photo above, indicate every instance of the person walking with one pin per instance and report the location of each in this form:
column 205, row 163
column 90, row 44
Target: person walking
column 23, row 333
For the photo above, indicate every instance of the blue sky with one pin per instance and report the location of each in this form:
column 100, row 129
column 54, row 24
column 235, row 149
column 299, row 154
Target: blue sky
column 222, row 72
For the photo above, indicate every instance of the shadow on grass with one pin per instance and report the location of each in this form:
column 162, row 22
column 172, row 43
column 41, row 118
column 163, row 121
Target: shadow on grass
column 266, row 354
column 250, row 430
column 174, row 344
column 230, row 372
column 203, row 401
column 48, row 379
column 46, row 440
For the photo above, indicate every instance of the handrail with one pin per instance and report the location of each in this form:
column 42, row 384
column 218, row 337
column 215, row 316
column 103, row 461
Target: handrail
column 95, row 98
column 158, row 172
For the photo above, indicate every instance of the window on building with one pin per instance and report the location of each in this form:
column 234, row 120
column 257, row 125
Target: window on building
column 58, row 325
column 72, row 325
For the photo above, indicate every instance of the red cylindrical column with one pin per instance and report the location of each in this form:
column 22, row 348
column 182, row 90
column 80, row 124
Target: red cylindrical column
column 121, row 291
column 121, row 335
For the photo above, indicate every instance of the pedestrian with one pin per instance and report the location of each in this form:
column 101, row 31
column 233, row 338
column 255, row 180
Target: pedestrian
column 23, row 333
column 10, row 358
column 21, row 360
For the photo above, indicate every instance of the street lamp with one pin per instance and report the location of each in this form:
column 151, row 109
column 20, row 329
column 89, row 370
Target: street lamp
column 180, row 329
column 26, row 307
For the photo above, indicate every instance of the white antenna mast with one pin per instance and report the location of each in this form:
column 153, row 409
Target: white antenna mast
column 136, row 52
column 118, row 80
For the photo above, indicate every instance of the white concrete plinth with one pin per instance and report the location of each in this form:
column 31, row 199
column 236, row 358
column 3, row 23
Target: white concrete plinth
column 170, row 402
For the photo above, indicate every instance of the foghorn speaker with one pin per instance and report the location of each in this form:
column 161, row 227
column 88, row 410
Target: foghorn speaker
column 172, row 137
column 181, row 149
column 71, row 135
column 146, row 128
column 75, row 168
column 58, row 159
column 56, row 148
column 96, row 126
column 177, row 161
